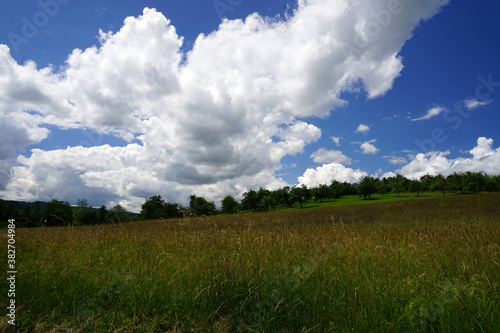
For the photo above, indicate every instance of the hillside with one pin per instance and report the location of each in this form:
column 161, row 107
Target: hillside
column 413, row 265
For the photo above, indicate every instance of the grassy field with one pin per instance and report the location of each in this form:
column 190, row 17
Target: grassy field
column 398, row 266
column 356, row 200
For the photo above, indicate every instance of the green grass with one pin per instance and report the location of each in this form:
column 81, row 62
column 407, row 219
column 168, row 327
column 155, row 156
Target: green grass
column 355, row 200
column 395, row 266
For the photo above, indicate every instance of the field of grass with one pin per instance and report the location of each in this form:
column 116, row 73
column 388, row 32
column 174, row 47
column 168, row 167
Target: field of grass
column 357, row 200
column 397, row 266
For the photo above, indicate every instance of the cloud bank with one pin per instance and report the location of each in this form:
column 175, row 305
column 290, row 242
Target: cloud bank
column 483, row 158
column 216, row 120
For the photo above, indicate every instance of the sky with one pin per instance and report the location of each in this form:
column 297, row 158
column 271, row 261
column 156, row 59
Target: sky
column 116, row 101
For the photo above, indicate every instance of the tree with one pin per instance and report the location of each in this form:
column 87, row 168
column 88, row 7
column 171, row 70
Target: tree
column 229, row 205
column 455, row 182
column 301, row 194
column 84, row 214
column 24, row 219
column 415, row 186
column 82, row 203
column 36, row 214
column 57, row 213
column 118, row 214
column 201, row 206
column 474, row 181
column 398, row 188
column 366, row 187
column 170, row 210
column 492, row 184
column 438, row 183
column 265, row 200
column 321, row 192
column 249, row 201
column 383, row 188
column 152, row 208
column 285, row 196
column 101, row 215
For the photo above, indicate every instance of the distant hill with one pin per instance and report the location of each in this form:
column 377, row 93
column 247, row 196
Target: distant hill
column 21, row 204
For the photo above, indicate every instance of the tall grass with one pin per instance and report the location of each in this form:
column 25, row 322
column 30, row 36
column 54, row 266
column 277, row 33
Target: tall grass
column 406, row 266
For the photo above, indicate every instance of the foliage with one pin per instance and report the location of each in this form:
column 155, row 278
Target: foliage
column 200, row 206
column 117, row 214
column 301, row 194
column 57, row 213
column 156, row 208
column 229, row 205
column 366, row 187
column 250, row 201
column 383, row 188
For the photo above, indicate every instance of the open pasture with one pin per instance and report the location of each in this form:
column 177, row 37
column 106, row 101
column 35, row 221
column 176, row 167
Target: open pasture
column 404, row 266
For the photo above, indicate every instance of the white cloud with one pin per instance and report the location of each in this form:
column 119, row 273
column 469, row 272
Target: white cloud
column 484, row 158
column 362, row 129
column 435, row 111
column 326, row 173
column 336, row 140
column 369, row 148
column 216, row 120
column 395, row 160
column 473, row 103
column 323, row 155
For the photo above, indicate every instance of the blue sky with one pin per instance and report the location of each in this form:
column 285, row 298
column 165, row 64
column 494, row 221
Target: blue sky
column 301, row 92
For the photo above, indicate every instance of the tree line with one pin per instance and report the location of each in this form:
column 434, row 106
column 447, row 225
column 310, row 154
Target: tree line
column 60, row 213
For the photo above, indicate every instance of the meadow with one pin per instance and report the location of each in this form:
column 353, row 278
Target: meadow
column 430, row 265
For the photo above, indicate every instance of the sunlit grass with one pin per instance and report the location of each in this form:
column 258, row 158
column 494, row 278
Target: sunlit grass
column 399, row 266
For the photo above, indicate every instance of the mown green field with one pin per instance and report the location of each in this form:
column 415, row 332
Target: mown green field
column 399, row 266
column 355, row 200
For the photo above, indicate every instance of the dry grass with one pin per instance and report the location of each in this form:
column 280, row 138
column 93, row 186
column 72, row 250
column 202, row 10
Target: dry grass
column 413, row 266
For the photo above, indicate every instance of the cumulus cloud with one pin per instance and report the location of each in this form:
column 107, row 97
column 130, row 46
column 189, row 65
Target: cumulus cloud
column 362, row 129
column 216, row 120
column 368, row 147
column 435, row 111
column 326, row 173
column 483, row 158
column 474, row 103
column 330, row 156
column 395, row 160
column 336, row 140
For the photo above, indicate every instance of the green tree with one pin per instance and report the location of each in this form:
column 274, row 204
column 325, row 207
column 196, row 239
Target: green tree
column 455, row 182
column 118, row 214
column 366, row 187
column 415, row 186
column 265, row 200
column 152, row 208
column 229, row 205
column 24, row 219
column 101, row 215
column 383, row 188
column 474, row 181
column 84, row 214
column 36, row 214
column 398, row 188
column 201, row 206
column 439, row 183
column 285, row 196
column 249, row 201
column 301, row 194
column 57, row 213
column 492, row 184
column 321, row 192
